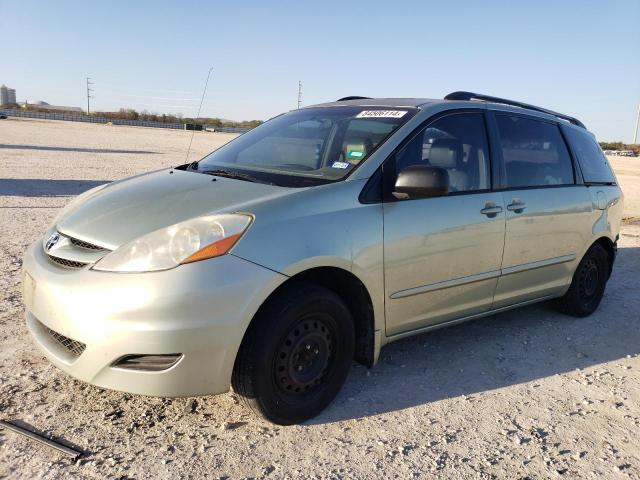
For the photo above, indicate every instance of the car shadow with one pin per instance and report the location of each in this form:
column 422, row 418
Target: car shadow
column 76, row 149
column 39, row 187
column 514, row 347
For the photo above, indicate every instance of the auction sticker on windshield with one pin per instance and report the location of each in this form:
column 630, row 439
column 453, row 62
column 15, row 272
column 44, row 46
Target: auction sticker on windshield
column 381, row 114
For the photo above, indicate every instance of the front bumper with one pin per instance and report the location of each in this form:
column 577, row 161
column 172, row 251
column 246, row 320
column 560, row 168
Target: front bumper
column 200, row 310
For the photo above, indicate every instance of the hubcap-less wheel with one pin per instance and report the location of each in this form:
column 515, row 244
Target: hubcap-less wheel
column 304, row 356
column 589, row 280
column 296, row 354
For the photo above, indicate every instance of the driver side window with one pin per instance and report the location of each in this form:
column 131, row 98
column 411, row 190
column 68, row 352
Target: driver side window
column 456, row 143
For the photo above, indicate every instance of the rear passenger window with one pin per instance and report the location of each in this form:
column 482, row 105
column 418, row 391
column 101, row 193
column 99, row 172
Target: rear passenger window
column 593, row 163
column 534, row 153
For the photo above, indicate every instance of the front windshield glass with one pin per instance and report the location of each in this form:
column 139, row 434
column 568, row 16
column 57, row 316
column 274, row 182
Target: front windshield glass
column 308, row 146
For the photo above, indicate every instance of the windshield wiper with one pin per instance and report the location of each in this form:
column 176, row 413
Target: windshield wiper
column 234, row 175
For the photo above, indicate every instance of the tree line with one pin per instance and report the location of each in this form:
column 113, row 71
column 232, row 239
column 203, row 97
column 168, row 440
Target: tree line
column 621, row 146
column 131, row 114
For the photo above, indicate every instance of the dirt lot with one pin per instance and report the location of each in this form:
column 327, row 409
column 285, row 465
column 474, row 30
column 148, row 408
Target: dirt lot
column 524, row 394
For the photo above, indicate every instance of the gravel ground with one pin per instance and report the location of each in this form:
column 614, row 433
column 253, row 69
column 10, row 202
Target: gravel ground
column 524, row 394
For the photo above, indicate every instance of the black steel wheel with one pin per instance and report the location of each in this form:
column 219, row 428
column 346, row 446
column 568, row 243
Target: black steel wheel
column 588, row 284
column 295, row 355
column 304, row 356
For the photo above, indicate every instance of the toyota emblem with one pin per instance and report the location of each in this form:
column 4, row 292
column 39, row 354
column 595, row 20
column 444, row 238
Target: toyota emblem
column 51, row 241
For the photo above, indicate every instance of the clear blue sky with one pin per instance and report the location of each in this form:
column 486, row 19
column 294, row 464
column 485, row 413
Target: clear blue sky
column 579, row 57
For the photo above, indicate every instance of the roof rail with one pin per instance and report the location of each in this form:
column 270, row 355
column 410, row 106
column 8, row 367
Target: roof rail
column 504, row 101
column 354, row 97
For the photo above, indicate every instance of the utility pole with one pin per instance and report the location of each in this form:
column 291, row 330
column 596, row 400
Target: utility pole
column 299, row 93
column 635, row 132
column 89, row 90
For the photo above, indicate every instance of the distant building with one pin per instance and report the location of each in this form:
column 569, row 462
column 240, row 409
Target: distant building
column 45, row 106
column 7, row 95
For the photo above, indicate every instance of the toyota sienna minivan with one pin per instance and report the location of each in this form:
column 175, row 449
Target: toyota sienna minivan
column 315, row 239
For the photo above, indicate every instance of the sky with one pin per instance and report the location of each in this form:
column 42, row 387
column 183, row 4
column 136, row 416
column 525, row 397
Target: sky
column 579, row 57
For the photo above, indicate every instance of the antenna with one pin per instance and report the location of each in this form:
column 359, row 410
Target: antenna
column 299, row 93
column 89, row 90
column 193, row 132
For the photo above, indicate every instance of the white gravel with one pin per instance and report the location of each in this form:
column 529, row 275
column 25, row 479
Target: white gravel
column 524, row 394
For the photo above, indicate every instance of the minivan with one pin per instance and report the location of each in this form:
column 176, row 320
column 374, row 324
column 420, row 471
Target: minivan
column 315, row 239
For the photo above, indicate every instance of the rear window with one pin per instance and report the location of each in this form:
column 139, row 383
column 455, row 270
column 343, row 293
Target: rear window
column 593, row 163
column 534, row 153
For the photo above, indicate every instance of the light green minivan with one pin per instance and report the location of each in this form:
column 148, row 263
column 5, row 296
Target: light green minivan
column 315, row 239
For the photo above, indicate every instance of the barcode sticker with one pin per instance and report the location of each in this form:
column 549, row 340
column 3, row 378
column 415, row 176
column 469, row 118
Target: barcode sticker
column 381, row 114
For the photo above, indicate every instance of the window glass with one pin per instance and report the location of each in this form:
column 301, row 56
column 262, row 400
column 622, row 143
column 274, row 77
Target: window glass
column 310, row 144
column 593, row 163
column 457, row 143
column 534, row 152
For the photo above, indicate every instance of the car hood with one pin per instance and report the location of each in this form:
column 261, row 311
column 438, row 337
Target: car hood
column 127, row 209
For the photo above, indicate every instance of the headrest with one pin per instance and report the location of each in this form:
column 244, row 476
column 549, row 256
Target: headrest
column 445, row 153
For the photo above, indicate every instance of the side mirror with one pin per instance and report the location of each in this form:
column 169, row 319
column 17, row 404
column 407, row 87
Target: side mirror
column 421, row 181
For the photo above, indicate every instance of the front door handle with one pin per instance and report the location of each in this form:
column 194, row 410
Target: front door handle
column 491, row 209
column 516, row 206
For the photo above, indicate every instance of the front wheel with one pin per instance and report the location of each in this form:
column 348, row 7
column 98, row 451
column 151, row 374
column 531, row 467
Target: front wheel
column 588, row 284
column 295, row 355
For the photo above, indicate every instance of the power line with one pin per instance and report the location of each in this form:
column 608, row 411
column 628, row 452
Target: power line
column 635, row 132
column 89, row 96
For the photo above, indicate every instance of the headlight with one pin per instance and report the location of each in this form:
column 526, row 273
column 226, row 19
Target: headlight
column 185, row 242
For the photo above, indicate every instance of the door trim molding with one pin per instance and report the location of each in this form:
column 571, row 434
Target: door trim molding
column 455, row 282
column 445, row 284
column 539, row 264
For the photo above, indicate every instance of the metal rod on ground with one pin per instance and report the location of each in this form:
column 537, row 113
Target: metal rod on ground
column 72, row 452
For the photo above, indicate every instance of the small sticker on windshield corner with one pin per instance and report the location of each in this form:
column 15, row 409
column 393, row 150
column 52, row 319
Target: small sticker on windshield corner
column 355, row 154
column 381, row 114
column 340, row 165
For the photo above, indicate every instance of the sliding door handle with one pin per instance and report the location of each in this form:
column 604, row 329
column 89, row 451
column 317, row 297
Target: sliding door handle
column 517, row 206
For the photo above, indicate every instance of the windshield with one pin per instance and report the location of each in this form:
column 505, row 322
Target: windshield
column 308, row 146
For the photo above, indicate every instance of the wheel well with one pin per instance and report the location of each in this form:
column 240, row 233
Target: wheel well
column 610, row 248
column 354, row 294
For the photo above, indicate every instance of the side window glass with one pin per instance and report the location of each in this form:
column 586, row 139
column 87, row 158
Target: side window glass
column 593, row 163
column 457, row 143
column 534, row 153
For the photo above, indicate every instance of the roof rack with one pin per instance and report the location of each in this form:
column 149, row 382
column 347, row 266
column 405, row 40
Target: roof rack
column 504, row 101
column 355, row 97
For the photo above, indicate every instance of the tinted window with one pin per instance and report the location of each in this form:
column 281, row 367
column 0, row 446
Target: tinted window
column 534, row 153
column 457, row 143
column 593, row 163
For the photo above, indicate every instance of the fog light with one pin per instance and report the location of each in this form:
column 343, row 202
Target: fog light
column 148, row 363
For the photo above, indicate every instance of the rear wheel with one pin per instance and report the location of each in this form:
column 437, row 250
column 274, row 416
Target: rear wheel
column 296, row 354
column 588, row 284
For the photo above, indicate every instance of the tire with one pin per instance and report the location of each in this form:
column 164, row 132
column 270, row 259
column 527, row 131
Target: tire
column 588, row 284
column 295, row 355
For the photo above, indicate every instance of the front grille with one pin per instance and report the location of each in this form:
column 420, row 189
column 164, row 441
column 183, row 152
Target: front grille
column 82, row 244
column 74, row 347
column 66, row 263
